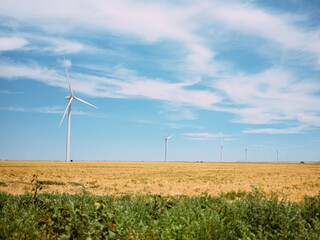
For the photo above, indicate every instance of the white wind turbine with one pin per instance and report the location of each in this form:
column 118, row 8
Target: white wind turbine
column 221, row 151
column 166, row 146
column 246, row 154
column 68, row 109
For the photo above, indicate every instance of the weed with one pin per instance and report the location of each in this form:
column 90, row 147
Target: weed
column 76, row 184
column 251, row 215
column 197, row 190
column 36, row 186
column 3, row 184
column 49, row 182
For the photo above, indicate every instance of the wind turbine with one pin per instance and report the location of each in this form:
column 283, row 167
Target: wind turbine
column 221, row 151
column 166, row 146
column 68, row 109
column 246, row 153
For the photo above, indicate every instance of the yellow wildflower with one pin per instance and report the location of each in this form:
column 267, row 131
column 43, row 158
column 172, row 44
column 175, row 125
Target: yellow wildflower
column 97, row 204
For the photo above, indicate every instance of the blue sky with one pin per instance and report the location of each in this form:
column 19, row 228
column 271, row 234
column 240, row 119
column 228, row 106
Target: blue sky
column 245, row 72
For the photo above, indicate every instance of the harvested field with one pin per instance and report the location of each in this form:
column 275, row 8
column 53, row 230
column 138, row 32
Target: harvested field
column 165, row 178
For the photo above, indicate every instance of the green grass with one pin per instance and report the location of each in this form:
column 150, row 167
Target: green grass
column 236, row 215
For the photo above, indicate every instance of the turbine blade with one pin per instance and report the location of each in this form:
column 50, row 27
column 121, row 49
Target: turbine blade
column 65, row 112
column 170, row 136
column 80, row 100
column 68, row 77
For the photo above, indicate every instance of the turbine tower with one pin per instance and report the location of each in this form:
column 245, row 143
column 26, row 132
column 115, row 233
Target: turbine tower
column 166, row 147
column 246, row 153
column 68, row 109
column 221, row 151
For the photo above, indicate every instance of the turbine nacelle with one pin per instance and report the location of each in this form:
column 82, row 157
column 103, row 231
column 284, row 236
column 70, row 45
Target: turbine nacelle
column 166, row 138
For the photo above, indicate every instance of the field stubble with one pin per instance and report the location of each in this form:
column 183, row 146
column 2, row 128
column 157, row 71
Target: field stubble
column 165, row 178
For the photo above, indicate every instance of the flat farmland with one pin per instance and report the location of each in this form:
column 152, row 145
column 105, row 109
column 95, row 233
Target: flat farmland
column 164, row 178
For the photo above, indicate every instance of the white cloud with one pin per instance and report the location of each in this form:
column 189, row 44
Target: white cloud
column 62, row 46
column 177, row 112
column 13, row 43
column 146, row 21
column 5, row 91
column 34, row 72
column 179, row 125
column 172, row 92
column 127, row 85
column 57, row 45
column 204, row 136
column 150, row 21
column 273, row 96
column 283, row 29
column 291, row 130
column 156, row 21
column 46, row 109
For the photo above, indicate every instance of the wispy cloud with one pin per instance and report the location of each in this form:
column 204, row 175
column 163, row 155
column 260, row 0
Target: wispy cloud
column 148, row 22
column 46, row 109
column 5, row 91
column 126, row 85
column 177, row 112
column 281, row 28
column 13, row 43
column 52, row 44
column 179, row 125
column 33, row 72
column 61, row 46
column 273, row 96
column 156, row 21
column 204, row 136
column 291, row 130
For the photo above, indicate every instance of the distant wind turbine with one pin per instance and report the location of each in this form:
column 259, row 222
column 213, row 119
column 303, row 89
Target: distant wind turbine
column 68, row 109
column 246, row 153
column 221, row 151
column 166, row 146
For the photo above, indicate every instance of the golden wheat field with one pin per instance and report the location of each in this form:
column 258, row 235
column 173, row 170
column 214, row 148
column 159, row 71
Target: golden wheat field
column 165, row 178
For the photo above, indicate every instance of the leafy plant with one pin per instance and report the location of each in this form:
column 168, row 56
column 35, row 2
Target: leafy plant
column 234, row 215
column 49, row 182
column 3, row 184
column 36, row 186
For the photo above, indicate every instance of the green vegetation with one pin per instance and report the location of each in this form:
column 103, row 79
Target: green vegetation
column 236, row 215
column 76, row 184
column 49, row 182
column 3, row 184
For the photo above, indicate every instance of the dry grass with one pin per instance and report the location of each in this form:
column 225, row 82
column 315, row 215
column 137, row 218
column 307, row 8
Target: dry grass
column 293, row 179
